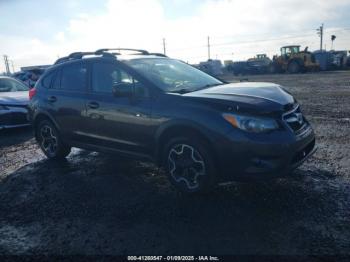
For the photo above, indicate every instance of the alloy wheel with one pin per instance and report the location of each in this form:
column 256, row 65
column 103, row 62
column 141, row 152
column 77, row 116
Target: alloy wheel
column 186, row 165
column 48, row 140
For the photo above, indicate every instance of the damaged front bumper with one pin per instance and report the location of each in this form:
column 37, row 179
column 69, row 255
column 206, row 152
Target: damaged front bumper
column 13, row 116
column 245, row 157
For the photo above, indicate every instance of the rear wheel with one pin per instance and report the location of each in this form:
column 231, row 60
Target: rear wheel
column 50, row 141
column 189, row 165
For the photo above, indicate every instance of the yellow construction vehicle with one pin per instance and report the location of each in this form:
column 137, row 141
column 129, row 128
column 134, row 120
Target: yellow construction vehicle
column 293, row 61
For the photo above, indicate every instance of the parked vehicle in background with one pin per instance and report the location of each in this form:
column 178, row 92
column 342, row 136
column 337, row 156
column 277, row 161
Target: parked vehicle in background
column 211, row 67
column 292, row 60
column 13, row 103
column 29, row 77
column 331, row 60
column 339, row 59
column 260, row 64
column 200, row 129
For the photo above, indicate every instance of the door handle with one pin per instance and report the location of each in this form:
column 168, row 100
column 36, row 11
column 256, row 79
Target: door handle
column 52, row 99
column 93, row 105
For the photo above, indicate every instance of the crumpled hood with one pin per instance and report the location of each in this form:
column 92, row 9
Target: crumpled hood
column 20, row 98
column 247, row 96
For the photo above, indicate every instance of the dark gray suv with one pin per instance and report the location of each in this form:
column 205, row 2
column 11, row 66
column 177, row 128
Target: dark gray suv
column 201, row 130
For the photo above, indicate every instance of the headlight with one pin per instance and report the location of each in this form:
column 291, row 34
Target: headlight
column 251, row 124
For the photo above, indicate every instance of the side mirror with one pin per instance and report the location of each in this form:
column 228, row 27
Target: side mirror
column 122, row 89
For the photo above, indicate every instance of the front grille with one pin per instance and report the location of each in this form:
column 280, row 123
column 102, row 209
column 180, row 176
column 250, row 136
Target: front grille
column 294, row 119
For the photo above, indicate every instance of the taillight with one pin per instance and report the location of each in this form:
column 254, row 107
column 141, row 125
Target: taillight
column 32, row 93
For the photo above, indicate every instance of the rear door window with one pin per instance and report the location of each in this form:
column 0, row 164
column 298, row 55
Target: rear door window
column 74, row 77
column 56, row 82
column 46, row 82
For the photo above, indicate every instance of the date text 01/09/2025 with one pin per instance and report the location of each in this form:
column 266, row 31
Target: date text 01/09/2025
column 173, row 258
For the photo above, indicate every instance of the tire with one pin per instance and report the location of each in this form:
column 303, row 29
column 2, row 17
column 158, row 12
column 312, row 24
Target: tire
column 189, row 165
column 293, row 67
column 50, row 141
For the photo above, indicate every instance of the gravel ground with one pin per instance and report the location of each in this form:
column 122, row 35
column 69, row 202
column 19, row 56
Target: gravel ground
column 99, row 204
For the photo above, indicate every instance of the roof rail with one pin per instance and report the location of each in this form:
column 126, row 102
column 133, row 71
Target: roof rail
column 72, row 56
column 103, row 52
column 80, row 55
column 158, row 54
column 100, row 51
column 61, row 60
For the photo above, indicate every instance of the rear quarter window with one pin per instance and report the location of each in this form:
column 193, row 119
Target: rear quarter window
column 74, row 77
column 56, row 82
column 47, row 80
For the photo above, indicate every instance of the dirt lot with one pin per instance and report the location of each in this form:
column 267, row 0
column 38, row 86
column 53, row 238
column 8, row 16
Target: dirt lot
column 100, row 204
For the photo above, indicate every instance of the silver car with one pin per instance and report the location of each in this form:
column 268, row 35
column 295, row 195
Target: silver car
column 14, row 100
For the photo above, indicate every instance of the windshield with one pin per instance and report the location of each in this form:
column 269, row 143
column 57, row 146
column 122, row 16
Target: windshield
column 10, row 85
column 290, row 50
column 172, row 75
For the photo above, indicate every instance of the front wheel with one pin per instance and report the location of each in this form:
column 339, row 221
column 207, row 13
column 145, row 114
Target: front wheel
column 293, row 67
column 50, row 141
column 190, row 166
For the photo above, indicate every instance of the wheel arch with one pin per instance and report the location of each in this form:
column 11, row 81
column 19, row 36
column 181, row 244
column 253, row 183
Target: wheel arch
column 179, row 129
column 40, row 117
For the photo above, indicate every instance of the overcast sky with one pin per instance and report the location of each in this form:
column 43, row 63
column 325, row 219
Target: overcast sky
column 38, row 32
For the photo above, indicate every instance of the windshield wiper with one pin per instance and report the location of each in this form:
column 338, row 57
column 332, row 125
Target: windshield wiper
column 181, row 91
column 210, row 85
column 186, row 90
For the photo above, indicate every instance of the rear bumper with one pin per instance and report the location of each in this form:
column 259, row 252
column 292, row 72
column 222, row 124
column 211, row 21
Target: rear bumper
column 261, row 157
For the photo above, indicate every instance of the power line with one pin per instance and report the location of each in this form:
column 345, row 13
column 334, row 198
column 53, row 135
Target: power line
column 243, row 42
column 255, row 41
column 261, row 40
column 337, row 30
column 240, row 42
column 263, row 34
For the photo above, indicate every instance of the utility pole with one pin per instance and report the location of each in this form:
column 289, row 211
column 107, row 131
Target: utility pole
column 208, row 48
column 320, row 33
column 164, row 47
column 7, row 64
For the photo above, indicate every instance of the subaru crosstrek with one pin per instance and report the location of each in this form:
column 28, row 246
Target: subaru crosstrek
column 201, row 130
